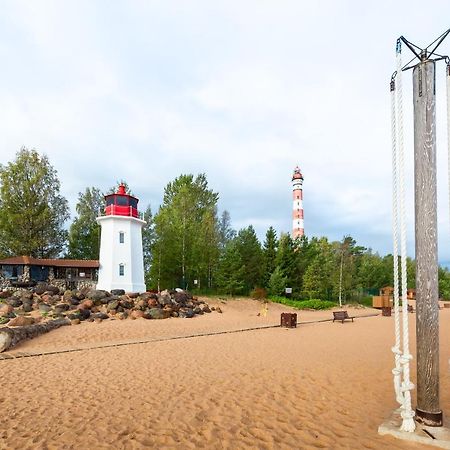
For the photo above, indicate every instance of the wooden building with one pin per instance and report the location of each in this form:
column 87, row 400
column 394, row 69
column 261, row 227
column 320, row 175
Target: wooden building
column 25, row 271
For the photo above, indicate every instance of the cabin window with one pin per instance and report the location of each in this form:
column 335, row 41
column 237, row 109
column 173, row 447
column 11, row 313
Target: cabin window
column 121, row 237
column 121, row 270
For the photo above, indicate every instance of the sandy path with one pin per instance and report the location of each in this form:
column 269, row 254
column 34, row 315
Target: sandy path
column 323, row 385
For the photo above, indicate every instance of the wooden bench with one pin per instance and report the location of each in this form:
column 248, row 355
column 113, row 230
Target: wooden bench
column 342, row 315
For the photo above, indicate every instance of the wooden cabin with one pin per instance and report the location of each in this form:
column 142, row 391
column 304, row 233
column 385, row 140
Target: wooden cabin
column 25, row 271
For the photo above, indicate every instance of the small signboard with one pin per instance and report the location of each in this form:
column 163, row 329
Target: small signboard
column 288, row 292
column 196, row 282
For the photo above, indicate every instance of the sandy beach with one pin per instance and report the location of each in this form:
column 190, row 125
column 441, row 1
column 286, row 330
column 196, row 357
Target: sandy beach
column 321, row 385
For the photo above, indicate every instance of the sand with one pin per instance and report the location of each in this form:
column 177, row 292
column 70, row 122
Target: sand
column 321, row 385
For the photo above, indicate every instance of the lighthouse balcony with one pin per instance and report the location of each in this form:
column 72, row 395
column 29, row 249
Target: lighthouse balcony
column 119, row 210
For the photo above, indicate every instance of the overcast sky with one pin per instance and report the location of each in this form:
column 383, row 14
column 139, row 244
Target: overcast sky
column 240, row 90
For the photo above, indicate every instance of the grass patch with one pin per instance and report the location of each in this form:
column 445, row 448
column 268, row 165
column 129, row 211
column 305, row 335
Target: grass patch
column 303, row 304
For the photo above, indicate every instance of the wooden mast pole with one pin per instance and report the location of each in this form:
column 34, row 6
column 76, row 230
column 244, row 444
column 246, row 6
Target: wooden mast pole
column 428, row 410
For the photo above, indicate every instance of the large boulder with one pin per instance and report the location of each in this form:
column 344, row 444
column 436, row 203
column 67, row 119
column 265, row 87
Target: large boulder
column 44, row 308
column 5, row 309
column 21, row 321
column 186, row 313
column 14, row 302
column 118, row 292
column 97, row 294
column 156, row 313
column 164, row 298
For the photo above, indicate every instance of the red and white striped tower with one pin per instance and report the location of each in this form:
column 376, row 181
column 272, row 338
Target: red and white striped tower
column 298, row 227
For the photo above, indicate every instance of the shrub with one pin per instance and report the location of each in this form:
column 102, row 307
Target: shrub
column 303, row 304
column 258, row 293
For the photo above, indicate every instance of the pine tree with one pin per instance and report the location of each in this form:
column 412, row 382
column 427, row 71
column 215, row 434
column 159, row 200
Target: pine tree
column 270, row 247
column 230, row 274
column 251, row 256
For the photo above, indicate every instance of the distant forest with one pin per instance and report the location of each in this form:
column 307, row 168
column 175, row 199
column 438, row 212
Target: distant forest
column 187, row 243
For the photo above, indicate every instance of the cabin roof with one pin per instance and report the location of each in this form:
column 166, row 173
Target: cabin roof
column 30, row 261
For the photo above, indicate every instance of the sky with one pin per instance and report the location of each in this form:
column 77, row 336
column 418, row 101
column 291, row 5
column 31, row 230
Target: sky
column 242, row 91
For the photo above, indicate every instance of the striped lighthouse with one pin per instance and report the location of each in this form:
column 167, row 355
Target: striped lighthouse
column 298, row 227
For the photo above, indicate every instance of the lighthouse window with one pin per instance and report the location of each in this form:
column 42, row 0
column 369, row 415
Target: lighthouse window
column 121, row 201
column 133, row 202
column 121, row 270
column 110, row 201
column 121, row 237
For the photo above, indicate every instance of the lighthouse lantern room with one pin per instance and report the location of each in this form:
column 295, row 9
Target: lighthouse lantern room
column 121, row 255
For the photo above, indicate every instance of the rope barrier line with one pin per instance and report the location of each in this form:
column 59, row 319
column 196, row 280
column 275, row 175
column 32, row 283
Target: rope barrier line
column 20, row 355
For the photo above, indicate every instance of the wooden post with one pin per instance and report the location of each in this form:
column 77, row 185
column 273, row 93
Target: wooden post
column 427, row 319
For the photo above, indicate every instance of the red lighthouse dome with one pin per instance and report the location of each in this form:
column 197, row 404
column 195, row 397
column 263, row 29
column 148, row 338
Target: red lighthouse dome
column 121, row 204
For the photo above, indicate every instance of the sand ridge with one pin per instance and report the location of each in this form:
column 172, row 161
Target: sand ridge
column 321, row 385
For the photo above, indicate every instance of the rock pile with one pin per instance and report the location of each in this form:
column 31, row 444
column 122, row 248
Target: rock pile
column 28, row 306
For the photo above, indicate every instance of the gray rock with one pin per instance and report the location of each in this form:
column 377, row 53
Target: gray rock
column 97, row 294
column 118, row 292
column 186, row 313
column 84, row 314
column 44, row 308
column 14, row 302
column 100, row 315
column 164, row 298
column 113, row 305
column 156, row 313
column 52, row 289
column 27, row 307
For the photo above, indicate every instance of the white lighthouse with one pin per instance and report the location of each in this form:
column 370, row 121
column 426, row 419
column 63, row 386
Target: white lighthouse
column 298, row 226
column 121, row 256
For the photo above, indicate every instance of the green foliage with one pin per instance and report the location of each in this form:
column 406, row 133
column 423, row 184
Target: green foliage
column 32, row 211
column 84, row 232
column 444, row 283
column 251, row 257
column 270, row 248
column 185, row 244
column 277, row 282
column 304, row 304
column 230, row 275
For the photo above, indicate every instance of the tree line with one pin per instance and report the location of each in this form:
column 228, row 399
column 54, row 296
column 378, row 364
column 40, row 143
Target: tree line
column 187, row 243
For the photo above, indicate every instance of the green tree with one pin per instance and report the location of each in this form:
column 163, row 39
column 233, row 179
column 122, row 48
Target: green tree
column 287, row 261
column 185, row 229
column 277, row 282
column 84, row 233
column 230, row 274
column 270, row 247
column 148, row 237
column 226, row 232
column 250, row 253
column 32, row 210
column 444, row 283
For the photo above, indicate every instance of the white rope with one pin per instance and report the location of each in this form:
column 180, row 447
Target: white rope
column 407, row 413
column 397, row 370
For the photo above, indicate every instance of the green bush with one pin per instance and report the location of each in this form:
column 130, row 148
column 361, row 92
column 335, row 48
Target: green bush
column 303, row 304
